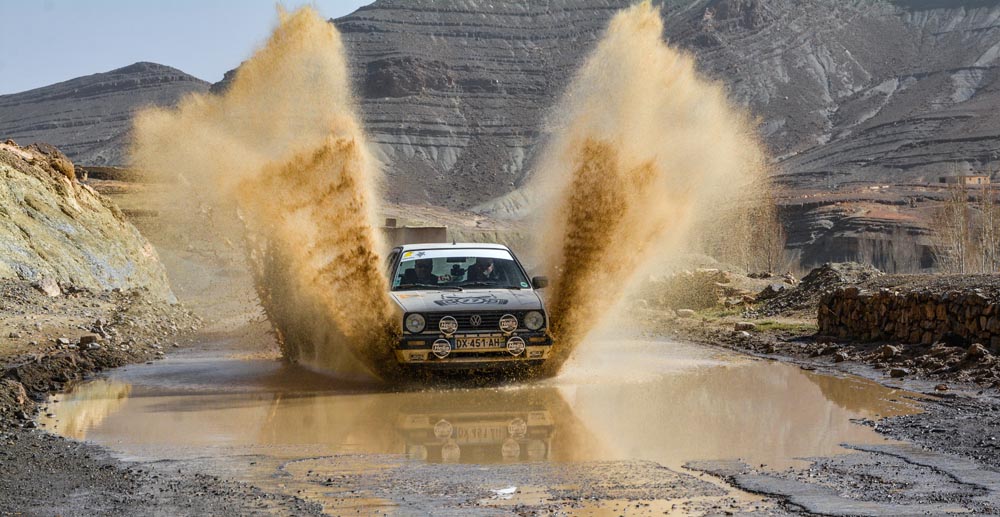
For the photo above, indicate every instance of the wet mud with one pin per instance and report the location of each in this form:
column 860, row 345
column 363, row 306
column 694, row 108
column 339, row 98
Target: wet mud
column 643, row 153
column 646, row 159
column 283, row 149
column 354, row 446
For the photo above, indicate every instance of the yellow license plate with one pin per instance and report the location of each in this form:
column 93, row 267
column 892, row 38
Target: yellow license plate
column 479, row 342
column 480, row 434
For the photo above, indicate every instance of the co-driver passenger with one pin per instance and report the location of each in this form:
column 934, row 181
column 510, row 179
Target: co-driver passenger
column 482, row 271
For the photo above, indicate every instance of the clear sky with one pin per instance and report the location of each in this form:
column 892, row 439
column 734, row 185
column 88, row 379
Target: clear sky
column 47, row 41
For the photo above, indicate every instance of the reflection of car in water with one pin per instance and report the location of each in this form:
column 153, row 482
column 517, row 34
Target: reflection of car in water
column 478, row 437
column 467, row 306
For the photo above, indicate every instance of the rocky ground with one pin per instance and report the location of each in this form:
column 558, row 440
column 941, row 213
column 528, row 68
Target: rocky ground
column 958, row 385
column 53, row 334
column 49, row 342
column 81, row 479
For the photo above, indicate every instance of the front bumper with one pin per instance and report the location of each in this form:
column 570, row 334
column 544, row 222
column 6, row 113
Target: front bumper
column 417, row 350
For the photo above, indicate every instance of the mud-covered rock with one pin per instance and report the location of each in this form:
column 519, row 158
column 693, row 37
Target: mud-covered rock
column 13, row 397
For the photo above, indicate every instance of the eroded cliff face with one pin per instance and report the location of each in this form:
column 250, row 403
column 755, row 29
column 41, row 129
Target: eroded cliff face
column 456, row 94
column 847, row 93
column 54, row 229
column 859, row 97
column 858, row 91
column 89, row 118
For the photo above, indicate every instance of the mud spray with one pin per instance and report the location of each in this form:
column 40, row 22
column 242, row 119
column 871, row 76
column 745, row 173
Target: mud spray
column 283, row 146
column 644, row 152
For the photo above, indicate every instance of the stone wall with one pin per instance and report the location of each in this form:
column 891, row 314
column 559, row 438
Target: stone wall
column 913, row 317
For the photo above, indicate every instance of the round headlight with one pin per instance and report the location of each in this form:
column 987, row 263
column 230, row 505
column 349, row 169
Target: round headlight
column 415, row 323
column 534, row 320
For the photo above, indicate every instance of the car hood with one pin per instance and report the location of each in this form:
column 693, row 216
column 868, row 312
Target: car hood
column 469, row 300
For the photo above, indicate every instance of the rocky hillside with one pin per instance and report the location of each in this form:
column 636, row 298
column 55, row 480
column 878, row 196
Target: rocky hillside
column 851, row 96
column 858, row 91
column 455, row 93
column 865, row 104
column 60, row 234
column 88, row 117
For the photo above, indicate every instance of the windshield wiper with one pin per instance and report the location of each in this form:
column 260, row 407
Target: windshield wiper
column 429, row 286
column 479, row 284
column 489, row 284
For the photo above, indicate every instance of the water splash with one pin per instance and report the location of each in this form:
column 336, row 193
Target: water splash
column 283, row 145
column 644, row 151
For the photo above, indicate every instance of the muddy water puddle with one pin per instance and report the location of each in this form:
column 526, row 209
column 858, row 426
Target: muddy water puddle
column 599, row 434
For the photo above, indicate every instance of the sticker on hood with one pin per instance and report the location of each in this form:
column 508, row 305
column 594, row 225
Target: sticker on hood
column 488, row 299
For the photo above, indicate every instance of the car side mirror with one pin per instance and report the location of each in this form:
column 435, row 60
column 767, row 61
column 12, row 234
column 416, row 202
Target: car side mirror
column 540, row 282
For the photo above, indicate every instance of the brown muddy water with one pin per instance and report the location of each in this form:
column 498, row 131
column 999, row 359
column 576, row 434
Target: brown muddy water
column 621, row 409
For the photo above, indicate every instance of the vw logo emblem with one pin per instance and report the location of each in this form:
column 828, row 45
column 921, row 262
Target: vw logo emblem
column 476, row 320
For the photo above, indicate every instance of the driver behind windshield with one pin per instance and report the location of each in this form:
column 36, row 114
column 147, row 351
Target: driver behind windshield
column 424, row 272
column 482, row 271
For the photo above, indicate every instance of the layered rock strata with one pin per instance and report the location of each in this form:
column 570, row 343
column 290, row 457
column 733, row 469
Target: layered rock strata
column 54, row 230
column 89, row 117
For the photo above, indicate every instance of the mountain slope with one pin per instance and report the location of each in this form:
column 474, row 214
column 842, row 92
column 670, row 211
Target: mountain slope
column 454, row 93
column 88, row 117
column 858, row 91
column 851, row 96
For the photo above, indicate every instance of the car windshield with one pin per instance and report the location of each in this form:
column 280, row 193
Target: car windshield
column 458, row 269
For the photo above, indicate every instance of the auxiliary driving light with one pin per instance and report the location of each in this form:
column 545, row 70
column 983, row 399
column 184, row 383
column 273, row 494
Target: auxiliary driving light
column 415, row 323
column 515, row 346
column 448, row 325
column 510, row 450
column 442, row 347
column 508, row 323
column 443, row 429
column 534, row 320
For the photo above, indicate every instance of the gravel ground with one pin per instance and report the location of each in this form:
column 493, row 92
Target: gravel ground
column 960, row 397
column 80, row 479
column 42, row 352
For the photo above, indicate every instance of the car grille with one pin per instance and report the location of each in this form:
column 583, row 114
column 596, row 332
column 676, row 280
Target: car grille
column 490, row 321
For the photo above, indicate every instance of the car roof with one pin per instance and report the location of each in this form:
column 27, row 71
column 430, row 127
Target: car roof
column 457, row 245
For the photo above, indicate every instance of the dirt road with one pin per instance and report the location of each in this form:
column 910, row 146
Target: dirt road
column 636, row 426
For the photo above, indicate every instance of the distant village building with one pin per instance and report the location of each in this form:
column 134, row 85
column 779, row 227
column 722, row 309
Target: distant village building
column 966, row 179
column 396, row 235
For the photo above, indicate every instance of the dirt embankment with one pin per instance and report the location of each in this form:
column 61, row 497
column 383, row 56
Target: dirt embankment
column 57, row 230
column 82, row 291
